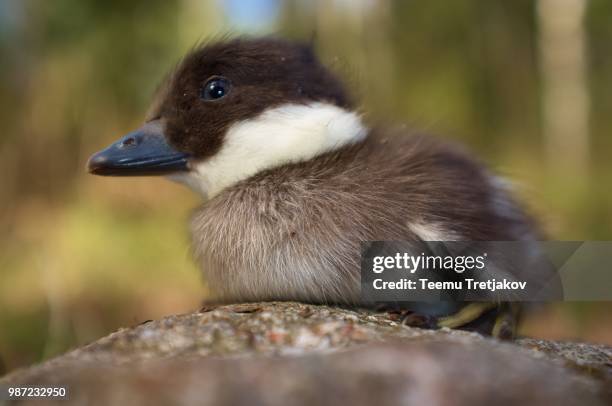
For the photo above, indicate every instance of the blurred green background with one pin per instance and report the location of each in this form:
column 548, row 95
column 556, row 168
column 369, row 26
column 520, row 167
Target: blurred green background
column 525, row 84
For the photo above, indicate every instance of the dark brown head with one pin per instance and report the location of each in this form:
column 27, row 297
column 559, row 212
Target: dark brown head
column 224, row 83
column 244, row 103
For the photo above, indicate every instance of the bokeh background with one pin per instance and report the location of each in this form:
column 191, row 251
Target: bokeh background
column 526, row 84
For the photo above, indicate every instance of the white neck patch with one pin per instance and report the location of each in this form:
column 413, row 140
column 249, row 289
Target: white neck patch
column 288, row 133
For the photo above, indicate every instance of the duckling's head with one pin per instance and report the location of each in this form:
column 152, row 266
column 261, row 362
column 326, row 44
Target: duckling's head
column 232, row 109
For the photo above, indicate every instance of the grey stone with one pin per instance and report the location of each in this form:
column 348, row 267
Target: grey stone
column 285, row 353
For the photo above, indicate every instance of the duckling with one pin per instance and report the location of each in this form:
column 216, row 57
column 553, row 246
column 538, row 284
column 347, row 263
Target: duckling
column 294, row 180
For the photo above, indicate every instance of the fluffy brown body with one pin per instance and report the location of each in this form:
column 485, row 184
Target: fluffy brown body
column 294, row 232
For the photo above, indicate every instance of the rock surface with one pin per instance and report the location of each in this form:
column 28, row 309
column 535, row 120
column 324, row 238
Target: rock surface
column 292, row 353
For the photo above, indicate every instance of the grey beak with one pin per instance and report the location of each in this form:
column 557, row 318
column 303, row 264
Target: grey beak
column 144, row 152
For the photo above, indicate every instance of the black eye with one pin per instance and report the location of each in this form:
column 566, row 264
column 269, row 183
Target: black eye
column 215, row 89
